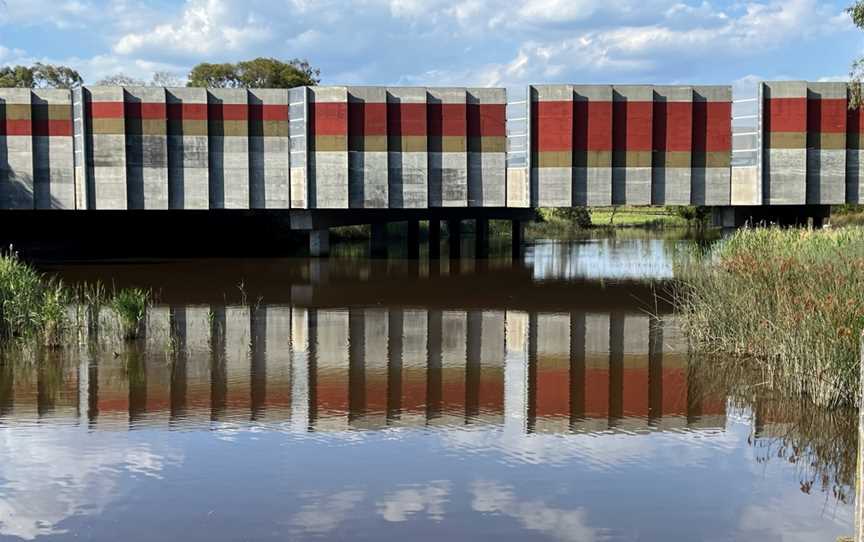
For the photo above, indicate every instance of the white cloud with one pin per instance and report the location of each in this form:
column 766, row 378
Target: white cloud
column 327, row 512
column 402, row 504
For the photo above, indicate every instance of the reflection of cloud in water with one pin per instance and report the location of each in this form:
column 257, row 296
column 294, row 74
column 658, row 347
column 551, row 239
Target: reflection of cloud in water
column 787, row 517
column 328, row 511
column 49, row 478
column 401, row 504
column 566, row 525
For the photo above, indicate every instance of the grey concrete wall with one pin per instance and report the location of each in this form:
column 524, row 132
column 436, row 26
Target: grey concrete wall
column 407, row 157
column 448, row 154
column 631, row 168
column 228, row 148
column 328, row 157
column 53, row 163
column 784, row 151
column 551, row 172
column 826, row 144
column 106, row 146
column 146, row 148
column 712, row 174
column 16, row 150
column 592, row 174
column 368, row 181
column 486, row 153
column 188, row 149
column 269, row 149
column 671, row 168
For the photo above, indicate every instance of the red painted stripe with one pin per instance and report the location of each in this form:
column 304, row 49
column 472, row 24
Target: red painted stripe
column 635, row 392
column 785, row 115
column 487, row 120
column 106, row 110
column 262, row 112
column 367, row 119
column 592, row 126
column 181, row 112
column 145, row 111
column 553, row 392
column 223, row 112
column 632, row 125
column 596, row 393
column 406, row 119
column 328, row 119
column 552, row 126
column 827, row 116
column 712, row 126
column 674, row 394
column 447, row 119
column 673, row 126
column 52, row 128
column 16, row 127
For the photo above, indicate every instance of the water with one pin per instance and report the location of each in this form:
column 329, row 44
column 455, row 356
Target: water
column 391, row 400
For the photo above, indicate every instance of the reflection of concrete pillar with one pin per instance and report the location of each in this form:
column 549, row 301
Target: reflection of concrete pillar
column 92, row 393
column 218, row 376
column 493, row 353
column 472, row 365
column 312, row 374
column 258, row 362
column 552, row 398
column 616, row 368
column 532, row 373
column 635, row 377
column 516, row 373
column 577, row 368
column 453, row 360
column 46, row 389
column 434, row 369
column 413, row 387
column 277, row 373
column 238, row 361
column 299, row 370
column 396, row 327
column 597, row 371
column 332, row 369
column 136, row 372
column 655, row 371
column 356, row 365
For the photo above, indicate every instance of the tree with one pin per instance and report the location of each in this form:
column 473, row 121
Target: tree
column 39, row 76
column 257, row 73
column 856, row 11
column 120, row 80
column 165, row 79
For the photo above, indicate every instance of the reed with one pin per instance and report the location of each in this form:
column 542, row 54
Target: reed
column 130, row 306
column 791, row 300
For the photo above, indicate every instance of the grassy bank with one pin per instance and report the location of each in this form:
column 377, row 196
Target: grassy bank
column 790, row 301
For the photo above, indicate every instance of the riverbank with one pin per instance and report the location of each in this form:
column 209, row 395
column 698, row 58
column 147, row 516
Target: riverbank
column 790, row 301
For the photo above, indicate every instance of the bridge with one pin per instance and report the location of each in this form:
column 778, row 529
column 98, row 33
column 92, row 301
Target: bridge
column 310, row 158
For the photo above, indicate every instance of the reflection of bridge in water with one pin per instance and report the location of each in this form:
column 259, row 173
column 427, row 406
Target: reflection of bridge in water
column 312, row 369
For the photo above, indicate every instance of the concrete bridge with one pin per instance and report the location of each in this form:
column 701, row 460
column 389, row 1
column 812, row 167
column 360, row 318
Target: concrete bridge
column 315, row 157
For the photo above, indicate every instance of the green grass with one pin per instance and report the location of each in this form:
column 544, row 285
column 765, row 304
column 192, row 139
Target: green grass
column 130, row 306
column 790, row 301
column 643, row 217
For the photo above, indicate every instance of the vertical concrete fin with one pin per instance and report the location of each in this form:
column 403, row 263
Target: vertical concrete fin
column 16, row 149
column 228, row 147
column 328, row 147
column 592, row 145
column 632, row 133
column 826, row 143
column 447, row 123
column 672, row 145
column 80, row 145
column 487, row 147
column 188, row 149
column 146, row 119
column 367, row 148
column 784, row 157
column 269, row 149
column 298, row 133
column 712, row 148
column 106, row 147
column 518, row 188
column 53, row 155
column 551, row 145
column 407, row 157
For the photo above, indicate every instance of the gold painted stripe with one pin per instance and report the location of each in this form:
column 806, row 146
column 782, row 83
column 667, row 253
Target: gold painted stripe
column 377, row 143
column 631, row 159
column 787, row 140
column 854, row 141
column 827, row 141
column 592, row 159
column 108, row 126
column 407, row 143
column 16, row 111
column 553, row 159
column 330, row 143
column 187, row 128
column 711, row 159
column 52, row 112
column 487, row 144
column 448, row 144
column 229, row 128
column 153, row 127
column 675, row 159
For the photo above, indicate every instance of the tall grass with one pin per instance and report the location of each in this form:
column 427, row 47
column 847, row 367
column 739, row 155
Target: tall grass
column 790, row 300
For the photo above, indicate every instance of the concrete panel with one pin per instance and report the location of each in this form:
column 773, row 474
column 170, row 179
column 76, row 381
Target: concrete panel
column 785, row 142
column 448, row 147
column 516, row 373
column 632, row 129
column 228, row 131
column 712, row 146
column 592, row 145
column 367, row 148
column 188, row 149
column 551, row 115
column 53, row 153
column 518, row 187
column 16, row 149
column 407, row 145
column 328, row 156
column 746, row 188
column 298, row 134
column 414, row 366
column 238, row 336
column 331, row 337
column 826, row 143
column 855, row 176
column 106, row 148
column 146, row 147
column 672, row 145
column 487, row 144
column 269, row 149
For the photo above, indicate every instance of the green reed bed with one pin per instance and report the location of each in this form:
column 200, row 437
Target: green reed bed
column 791, row 301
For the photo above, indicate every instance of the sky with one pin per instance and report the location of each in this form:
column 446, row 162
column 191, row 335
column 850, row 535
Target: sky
column 506, row 43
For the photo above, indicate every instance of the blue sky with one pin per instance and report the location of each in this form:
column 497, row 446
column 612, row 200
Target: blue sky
column 445, row 42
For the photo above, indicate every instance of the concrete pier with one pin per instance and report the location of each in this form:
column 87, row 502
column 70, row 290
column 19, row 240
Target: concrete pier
column 319, row 243
column 413, row 239
column 481, row 238
column 517, row 237
column 454, row 233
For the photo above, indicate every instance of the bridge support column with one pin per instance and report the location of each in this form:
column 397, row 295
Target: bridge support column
column 434, row 239
column 413, row 238
column 481, row 238
column 378, row 240
column 319, row 243
column 517, row 238
column 454, row 231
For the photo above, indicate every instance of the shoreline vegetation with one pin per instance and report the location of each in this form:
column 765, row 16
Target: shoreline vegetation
column 787, row 301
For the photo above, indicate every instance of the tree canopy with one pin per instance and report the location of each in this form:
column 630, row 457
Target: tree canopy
column 856, row 11
column 39, row 75
column 257, row 73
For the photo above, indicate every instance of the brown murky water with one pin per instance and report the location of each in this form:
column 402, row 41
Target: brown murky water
column 352, row 399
